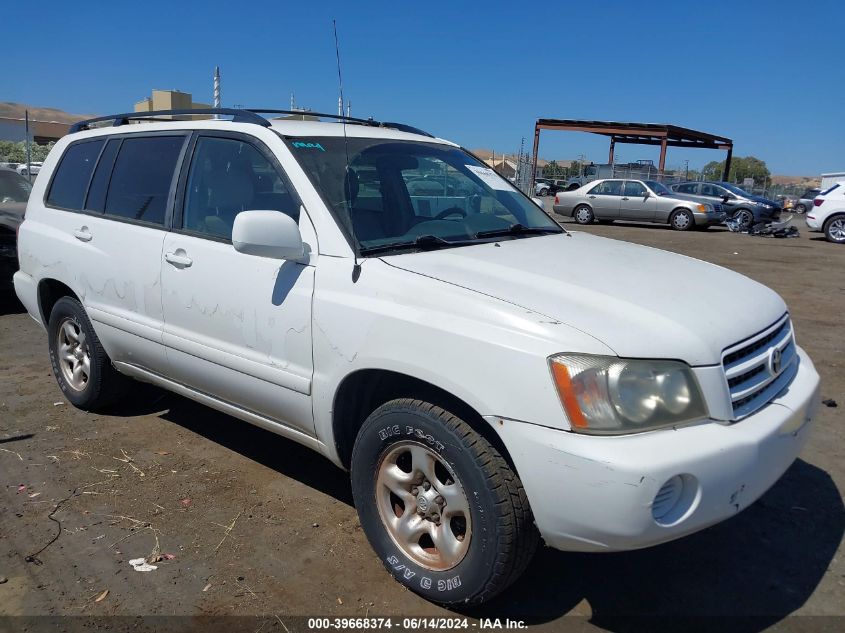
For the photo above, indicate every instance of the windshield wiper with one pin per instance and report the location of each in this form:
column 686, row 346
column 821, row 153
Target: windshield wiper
column 422, row 242
column 519, row 229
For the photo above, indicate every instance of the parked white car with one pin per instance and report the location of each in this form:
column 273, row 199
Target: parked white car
column 487, row 377
column 828, row 213
column 33, row 168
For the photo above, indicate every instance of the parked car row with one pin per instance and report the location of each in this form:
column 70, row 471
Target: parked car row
column 682, row 205
column 637, row 200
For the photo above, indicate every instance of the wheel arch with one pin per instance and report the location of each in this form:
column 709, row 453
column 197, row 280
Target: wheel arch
column 49, row 291
column 364, row 390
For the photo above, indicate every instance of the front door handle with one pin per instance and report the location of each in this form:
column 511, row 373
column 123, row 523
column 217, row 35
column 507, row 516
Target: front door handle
column 83, row 234
column 592, row 197
column 625, row 198
column 179, row 258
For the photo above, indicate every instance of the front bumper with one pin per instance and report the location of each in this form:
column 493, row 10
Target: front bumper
column 709, row 218
column 592, row 493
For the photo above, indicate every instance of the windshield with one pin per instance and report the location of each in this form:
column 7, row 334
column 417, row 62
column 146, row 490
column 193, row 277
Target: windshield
column 658, row 187
column 735, row 189
column 407, row 193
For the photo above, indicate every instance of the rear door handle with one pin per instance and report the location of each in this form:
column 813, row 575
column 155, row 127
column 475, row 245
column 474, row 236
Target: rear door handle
column 83, row 234
column 625, row 198
column 179, row 258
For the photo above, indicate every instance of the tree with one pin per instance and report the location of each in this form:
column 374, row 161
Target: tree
column 553, row 170
column 16, row 152
column 741, row 168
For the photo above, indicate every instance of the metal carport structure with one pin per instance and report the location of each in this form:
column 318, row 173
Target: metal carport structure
column 638, row 134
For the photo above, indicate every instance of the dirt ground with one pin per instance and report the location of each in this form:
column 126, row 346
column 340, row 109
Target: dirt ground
column 257, row 525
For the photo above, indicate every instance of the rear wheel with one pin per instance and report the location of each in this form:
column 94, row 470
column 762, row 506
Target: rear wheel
column 80, row 364
column 682, row 220
column 583, row 214
column 834, row 229
column 440, row 506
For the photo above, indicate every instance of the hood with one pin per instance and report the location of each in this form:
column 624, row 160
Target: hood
column 763, row 200
column 687, row 198
column 639, row 301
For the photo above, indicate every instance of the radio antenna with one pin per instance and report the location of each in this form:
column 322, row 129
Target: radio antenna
column 347, row 183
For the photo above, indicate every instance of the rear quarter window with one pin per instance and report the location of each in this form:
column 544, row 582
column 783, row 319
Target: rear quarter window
column 67, row 191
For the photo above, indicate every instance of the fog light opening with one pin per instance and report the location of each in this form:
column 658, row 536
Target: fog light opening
column 675, row 500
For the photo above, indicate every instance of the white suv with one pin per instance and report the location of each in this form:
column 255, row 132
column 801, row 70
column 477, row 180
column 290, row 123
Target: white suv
column 488, row 377
column 828, row 213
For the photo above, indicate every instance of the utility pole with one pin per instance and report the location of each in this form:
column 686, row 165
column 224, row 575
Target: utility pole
column 686, row 169
column 28, row 149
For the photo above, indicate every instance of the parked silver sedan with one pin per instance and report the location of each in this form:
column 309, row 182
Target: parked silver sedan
column 635, row 200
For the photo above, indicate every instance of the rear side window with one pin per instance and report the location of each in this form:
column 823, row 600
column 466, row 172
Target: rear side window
column 67, row 191
column 97, row 192
column 608, row 188
column 141, row 178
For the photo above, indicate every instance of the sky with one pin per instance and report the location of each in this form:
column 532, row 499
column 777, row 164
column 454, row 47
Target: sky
column 769, row 75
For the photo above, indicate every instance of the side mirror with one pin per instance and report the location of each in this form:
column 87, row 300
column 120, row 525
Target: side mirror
column 725, row 198
column 539, row 202
column 267, row 234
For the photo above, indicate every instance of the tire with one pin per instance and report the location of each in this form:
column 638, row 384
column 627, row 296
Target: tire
column 74, row 344
column 544, row 192
column 800, row 208
column 583, row 214
column 834, row 229
column 745, row 218
column 682, row 220
column 490, row 529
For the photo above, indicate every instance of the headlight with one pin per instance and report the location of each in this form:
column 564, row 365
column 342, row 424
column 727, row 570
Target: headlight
column 605, row 395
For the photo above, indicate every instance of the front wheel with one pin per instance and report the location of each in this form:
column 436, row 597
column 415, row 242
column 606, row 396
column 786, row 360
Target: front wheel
column 544, row 192
column 583, row 214
column 745, row 218
column 682, row 220
column 800, row 208
column 439, row 505
column 834, row 230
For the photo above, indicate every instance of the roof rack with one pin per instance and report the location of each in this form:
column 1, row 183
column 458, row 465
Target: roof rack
column 238, row 116
column 339, row 117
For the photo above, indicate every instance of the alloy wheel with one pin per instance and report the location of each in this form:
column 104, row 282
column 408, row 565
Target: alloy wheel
column 74, row 355
column 836, row 230
column 423, row 506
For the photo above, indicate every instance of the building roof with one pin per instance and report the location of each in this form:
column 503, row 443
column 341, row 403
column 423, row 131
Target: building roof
column 640, row 133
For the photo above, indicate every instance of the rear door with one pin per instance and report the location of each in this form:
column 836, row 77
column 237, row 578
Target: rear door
column 636, row 202
column 114, row 236
column 605, row 199
column 237, row 326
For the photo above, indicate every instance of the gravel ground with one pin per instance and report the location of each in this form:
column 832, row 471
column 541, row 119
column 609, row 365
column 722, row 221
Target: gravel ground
column 259, row 526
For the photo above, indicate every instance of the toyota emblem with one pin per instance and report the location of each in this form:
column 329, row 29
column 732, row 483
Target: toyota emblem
column 776, row 361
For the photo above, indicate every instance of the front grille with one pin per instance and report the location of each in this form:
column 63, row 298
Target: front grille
column 752, row 373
